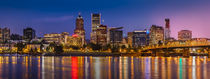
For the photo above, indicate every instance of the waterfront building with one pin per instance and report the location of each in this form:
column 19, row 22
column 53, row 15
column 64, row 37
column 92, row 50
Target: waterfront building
column 32, row 48
column 74, row 40
column 58, row 38
column 95, row 23
column 101, row 35
column 167, row 30
column 80, row 31
column 4, row 34
column 115, row 35
column 130, row 39
column 125, row 42
column 140, row 38
column 156, row 35
column 29, row 34
column 185, row 35
column 4, row 47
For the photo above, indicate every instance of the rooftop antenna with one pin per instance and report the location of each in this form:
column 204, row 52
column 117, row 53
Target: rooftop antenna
column 102, row 20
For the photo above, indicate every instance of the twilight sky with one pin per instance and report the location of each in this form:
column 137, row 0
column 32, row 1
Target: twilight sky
column 56, row 16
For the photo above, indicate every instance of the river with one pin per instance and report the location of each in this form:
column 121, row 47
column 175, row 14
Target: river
column 88, row 67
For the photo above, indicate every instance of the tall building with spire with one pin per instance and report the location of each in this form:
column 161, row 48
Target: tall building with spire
column 167, row 29
column 95, row 23
column 79, row 30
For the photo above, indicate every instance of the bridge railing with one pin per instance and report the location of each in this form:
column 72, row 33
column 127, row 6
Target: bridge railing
column 177, row 44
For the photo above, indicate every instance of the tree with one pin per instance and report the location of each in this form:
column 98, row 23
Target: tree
column 106, row 47
column 41, row 47
column 58, row 49
column 123, row 47
column 115, row 49
column 20, row 46
column 96, row 46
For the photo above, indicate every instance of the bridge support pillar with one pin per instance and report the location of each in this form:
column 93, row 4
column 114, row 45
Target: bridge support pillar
column 208, row 51
column 154, row 53
column 166, row 52
column 208, row 54
column 186, row 52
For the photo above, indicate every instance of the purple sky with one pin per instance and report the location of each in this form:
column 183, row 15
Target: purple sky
column 56, row 16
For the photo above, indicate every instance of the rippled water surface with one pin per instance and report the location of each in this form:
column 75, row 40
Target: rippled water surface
column 86, row 67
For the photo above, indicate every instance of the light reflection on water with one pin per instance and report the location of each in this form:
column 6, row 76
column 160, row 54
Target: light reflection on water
column 85, row 67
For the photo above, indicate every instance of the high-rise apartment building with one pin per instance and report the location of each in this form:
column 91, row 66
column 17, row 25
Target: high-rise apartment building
column 4, row 34
column 95, row 23
column 156, row 35
column 80, row 31
column 115, row 36
column 140, row 38
column 29, row 34
column 101, row 35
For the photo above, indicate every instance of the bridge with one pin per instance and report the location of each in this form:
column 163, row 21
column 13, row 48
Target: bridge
column 176, row 46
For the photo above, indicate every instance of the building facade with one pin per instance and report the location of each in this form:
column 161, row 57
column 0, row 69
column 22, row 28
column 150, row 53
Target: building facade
column 16, row 37
column 156, row 35
column 101, row 35
column 95, row 23
column 115, row 36
column 140, row 38
column 130, row 39
column 79, row 30
column 29, row 34
column 4, row 34
column 167, row 30
column 73, row 40
column 58, row 38
column 185, row 35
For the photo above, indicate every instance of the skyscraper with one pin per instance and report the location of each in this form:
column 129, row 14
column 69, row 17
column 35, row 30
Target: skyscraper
column 95, row 23
column 156, row 35
column 29, row 34
column 4, row 34
column 79, row 30
column 115, row 36
column 101, row 35
column 140, row 38
column 167, row 29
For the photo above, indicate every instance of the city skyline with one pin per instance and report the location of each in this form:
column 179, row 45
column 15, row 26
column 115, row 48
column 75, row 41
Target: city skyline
column 132, row 15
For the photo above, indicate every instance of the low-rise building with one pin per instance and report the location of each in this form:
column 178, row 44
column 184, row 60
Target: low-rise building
column 56, row 37
column 73, row 40
column 185, row 35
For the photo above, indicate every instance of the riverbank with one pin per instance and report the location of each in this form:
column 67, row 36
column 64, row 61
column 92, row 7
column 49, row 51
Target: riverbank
column 98, row 54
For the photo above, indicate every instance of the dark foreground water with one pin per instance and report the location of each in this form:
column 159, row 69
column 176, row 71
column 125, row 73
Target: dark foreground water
column 40, row 67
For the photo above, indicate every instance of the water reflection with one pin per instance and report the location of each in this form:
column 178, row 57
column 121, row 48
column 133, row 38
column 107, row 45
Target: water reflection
column 40, row 67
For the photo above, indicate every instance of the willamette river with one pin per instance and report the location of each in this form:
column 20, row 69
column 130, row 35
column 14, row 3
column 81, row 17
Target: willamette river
column 87, row 67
